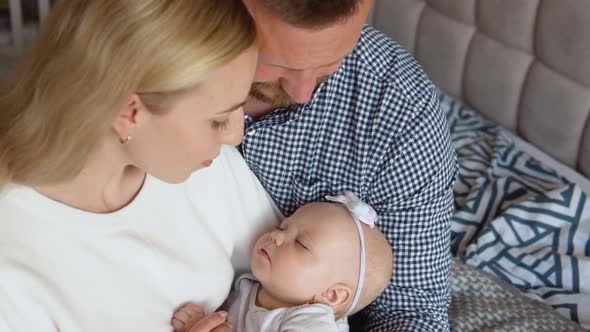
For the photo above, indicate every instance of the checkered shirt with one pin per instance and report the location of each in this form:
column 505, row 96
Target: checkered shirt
column 373, row 128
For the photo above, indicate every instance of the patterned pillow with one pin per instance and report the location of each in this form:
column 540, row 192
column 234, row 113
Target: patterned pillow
column 518, row 219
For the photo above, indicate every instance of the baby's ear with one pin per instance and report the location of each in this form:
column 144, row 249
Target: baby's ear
column 335, row 296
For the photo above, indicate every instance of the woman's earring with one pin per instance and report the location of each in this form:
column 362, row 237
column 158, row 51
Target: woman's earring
column 127, row 140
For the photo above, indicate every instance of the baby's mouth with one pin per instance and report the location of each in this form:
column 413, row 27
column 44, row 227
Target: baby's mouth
column 264, row 253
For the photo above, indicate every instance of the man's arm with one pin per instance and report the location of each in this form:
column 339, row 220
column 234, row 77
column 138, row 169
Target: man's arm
column 412, row 193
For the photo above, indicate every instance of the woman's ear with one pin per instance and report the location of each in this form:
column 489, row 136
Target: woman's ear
column 335, row 296
column 127, row 118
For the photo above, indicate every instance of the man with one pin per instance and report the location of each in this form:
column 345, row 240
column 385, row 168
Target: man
column 338, row 106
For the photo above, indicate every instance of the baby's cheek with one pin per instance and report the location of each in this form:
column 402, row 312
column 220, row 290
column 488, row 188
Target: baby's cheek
column 307, row 280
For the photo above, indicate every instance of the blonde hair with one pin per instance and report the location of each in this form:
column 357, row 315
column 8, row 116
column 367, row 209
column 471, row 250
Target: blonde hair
column 91, row 56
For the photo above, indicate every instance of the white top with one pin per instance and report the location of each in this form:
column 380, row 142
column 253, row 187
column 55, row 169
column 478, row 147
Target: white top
column 63, row 269
column 246, row 316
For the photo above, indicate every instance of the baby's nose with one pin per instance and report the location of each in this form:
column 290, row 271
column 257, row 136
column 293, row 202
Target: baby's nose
column 277, row 237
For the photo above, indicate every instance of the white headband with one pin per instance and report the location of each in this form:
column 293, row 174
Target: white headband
column 361, row 212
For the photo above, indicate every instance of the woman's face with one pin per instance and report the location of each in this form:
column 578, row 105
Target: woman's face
column 173, row 145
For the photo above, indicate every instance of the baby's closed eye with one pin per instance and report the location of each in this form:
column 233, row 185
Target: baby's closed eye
column 302, row 245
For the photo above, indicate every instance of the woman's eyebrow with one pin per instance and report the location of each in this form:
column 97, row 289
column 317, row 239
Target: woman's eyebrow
column 233, row 108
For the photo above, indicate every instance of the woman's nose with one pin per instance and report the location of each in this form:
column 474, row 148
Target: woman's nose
column 234, row 134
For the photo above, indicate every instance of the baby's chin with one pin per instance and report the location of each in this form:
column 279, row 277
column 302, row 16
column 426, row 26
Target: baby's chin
column 257, row 273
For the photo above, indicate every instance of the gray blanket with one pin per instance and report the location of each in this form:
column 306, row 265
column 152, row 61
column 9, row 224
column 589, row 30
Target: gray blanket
column 483, row 303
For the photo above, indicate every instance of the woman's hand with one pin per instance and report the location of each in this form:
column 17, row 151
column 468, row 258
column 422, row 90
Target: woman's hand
column 192, row 318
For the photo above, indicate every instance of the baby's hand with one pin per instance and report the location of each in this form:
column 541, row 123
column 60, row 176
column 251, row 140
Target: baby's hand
column 192, row 318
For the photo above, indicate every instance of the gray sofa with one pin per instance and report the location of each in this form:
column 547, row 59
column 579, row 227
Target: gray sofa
column 525, row 64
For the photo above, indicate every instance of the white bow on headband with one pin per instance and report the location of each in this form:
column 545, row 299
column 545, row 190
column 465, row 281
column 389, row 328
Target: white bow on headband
column 357, row 208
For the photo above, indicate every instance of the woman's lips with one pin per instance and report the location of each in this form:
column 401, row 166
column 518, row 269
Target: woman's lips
column 207, row 163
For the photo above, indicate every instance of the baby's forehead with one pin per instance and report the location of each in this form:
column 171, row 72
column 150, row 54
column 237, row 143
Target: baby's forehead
column 325, row 219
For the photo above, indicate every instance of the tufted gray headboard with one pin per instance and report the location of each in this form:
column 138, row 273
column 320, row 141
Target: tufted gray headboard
column 523, row 63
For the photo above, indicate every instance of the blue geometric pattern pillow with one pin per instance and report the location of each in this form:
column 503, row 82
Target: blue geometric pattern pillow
column 516, row 218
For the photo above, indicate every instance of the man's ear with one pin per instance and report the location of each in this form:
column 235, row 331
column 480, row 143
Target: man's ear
column 335, row 296
column 127, row 118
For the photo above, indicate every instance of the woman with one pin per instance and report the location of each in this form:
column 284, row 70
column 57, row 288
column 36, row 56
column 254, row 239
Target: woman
column 103, row 225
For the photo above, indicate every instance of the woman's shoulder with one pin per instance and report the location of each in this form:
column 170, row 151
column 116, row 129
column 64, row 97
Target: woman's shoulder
column 14, row 213
column 27, row 238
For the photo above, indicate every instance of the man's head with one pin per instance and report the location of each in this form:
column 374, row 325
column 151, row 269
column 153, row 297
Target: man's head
column 301, row 43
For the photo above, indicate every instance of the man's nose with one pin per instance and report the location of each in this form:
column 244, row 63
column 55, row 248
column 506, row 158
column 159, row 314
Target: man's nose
column 300, row 86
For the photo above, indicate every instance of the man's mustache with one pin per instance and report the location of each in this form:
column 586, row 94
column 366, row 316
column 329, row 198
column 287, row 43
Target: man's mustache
column 274, row 94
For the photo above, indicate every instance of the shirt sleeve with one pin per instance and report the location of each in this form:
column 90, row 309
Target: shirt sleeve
column 310, row 318
column 412, row 192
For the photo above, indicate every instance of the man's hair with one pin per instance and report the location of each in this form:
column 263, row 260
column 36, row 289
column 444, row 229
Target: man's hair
column 312, row 13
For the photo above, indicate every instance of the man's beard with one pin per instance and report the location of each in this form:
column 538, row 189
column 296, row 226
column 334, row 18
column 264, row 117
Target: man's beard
column 271, row 93
column 274, row 94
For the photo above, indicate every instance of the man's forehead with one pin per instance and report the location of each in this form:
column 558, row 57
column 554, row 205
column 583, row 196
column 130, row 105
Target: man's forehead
column 300, row 51
column 291, row 47
column 297, row 64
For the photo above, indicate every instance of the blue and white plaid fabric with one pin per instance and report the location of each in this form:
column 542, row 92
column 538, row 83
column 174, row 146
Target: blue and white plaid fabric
column 373, row 128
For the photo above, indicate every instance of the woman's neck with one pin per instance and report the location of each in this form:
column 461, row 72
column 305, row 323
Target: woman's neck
column 106, row 184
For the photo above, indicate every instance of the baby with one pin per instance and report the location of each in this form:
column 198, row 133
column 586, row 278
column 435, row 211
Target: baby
column 322, row 264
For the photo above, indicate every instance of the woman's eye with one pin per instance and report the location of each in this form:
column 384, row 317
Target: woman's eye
column 220, row 125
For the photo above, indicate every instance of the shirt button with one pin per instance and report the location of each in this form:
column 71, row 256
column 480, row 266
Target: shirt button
column 251, row 133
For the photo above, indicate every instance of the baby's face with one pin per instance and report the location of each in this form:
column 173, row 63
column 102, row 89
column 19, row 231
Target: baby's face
column 308, row 253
